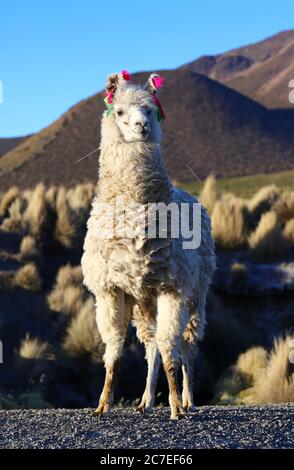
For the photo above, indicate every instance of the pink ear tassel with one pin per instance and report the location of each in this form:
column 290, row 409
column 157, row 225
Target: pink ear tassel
column 127, row 76
column 109, row 97
column 158, row 82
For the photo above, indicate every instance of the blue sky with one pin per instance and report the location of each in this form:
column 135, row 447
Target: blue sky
column 54, row 53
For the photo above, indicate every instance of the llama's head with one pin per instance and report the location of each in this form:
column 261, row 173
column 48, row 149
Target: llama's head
column 134, row 110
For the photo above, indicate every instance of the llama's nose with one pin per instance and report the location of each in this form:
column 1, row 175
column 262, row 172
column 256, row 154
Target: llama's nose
column 142, row 126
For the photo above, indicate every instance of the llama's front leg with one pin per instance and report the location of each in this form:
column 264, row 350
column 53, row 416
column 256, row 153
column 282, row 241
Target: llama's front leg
column 145, row 323
column 187, row 369
column 172, row 319
column 152, row 356
column 193, row 331
column 112, row 321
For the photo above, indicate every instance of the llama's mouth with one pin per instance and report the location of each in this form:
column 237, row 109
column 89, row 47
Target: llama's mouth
column 145, row 133
column 142, row 136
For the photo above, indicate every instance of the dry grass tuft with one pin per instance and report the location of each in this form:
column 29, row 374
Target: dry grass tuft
column 68, row 275
column 7, row 199
column 35, row 216
column 28, row 277
column 81, row 196
column 289, row 231
column 68, row 301
column 68, row 293
column 268, row 238
column 82, row 335
column 235, row 386
column 284, row 206
column 263, row 201
column 51, row 196
column 14, row 220
column 275, row 384
column 28, row 247
column 259, row 377
column 230, row 222
column 65, row 228
column 33, row 348
column 209, row 194
column 251, row 363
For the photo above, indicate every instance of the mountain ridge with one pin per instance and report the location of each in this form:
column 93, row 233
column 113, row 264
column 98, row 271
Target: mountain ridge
column 248, row 69
column 222, row 130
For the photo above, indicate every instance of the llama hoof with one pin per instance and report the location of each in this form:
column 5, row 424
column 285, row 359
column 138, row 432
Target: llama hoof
column 143, row 409
column 140, row 409
column 100, row 410
column 178, row 411
column 189, row 408
column 179, row 415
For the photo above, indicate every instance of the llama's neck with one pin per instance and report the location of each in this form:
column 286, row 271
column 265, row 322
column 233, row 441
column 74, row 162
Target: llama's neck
column 134, row 170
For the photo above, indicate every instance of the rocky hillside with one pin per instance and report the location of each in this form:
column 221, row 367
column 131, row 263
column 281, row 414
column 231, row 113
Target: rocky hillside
column 209, row 127
column 261, row 71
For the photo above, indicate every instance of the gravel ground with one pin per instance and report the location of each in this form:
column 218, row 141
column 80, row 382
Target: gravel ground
column 208, row 427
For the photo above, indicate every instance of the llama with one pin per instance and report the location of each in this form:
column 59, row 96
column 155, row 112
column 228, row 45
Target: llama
column 153, row 282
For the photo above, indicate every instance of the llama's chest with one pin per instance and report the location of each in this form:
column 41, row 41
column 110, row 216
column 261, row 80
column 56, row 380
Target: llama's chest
column 118, row 251
column 135, row 265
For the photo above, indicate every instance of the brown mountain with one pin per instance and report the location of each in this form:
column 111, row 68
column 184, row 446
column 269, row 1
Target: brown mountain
column 261, row 71
column 9, row 143
column 209, row 127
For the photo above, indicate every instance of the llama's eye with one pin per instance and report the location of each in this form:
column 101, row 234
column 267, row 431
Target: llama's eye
column 149, row 112
column 119, row 112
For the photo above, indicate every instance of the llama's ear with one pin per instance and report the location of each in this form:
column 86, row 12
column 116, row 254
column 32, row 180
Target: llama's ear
column 154, row 83
column 112, row 82
column 115, row 80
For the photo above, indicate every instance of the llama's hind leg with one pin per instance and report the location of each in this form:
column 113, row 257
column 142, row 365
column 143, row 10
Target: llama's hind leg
column 193, row 332
column 144, row 320
column 188, row 354
column 172, row 320
column 113, row 318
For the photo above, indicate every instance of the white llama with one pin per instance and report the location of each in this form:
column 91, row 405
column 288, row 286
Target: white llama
column 154, row 282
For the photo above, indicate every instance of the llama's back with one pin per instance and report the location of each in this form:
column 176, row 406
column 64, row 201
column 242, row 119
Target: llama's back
column 204, row 255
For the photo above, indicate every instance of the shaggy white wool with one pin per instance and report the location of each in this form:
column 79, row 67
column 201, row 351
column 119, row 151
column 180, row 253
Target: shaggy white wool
column 162, row 286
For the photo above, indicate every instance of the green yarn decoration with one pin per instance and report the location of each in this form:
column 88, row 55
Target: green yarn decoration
column 108, row 106
column 158, row 114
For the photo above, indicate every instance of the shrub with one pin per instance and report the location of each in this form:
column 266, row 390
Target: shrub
column 36, row 214
column 68, row 302
column 230, row 222
column 251, row 363
column 68, row 293
column 209, row 194
column 28, row 247
column 7, row 200
column 51, row 196
column 81, row 196
column 263, row 201
column 284, row 207
column 32, row 348
column 28, row 277
column 275, row 384
column 259, row 377
column 82, row 335
column 289, row 231
column 65, row 228
column 14, row 220
column 235, row 386
column 268, row 239
column 68, row 275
